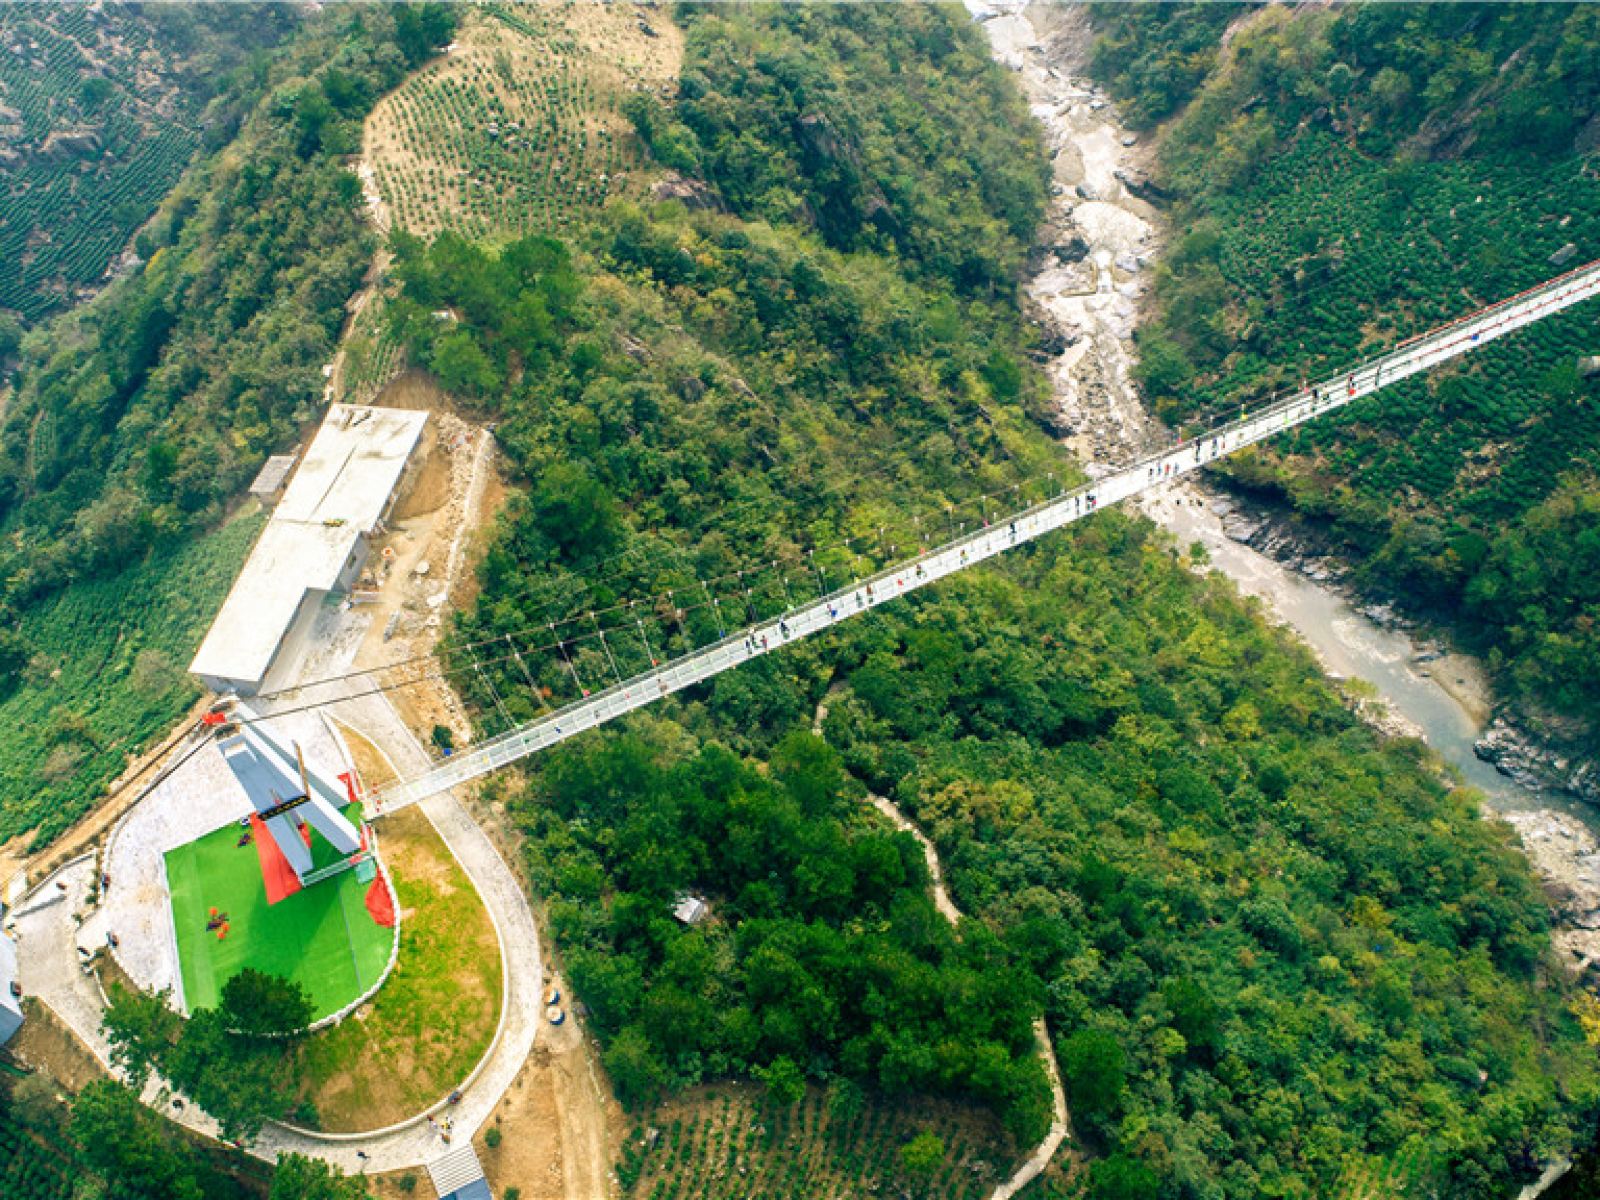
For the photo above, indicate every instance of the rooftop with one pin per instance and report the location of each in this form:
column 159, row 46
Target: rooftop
column 338, row 494
column 289, row 559
column 459, row 1176
column 351, row 468
column 273, row 472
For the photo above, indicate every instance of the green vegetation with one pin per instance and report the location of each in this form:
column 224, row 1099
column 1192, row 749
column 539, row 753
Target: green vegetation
column 1259, row 927
column 645, row 408
column 98, row 671
column 433, row 1018
column 301, row 1178
column 823, row 947
column 137, row 418
column 1278, row 955
column 100, row 111
column 728, row 1144
column 1350, row 177
column 520, row 129
column 105, row 1145
column 218, row 1056
column 322, row 937
column 640, row 377
column 859, row 122
column 33, row 1167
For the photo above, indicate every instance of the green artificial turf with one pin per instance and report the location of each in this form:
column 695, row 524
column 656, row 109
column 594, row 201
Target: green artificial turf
column 322, row 936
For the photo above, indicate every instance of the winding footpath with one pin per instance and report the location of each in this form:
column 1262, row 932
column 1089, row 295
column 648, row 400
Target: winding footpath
column 1035, row 1163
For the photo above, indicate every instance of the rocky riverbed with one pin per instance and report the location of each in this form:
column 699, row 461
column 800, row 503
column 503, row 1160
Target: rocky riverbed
column 1535, row 755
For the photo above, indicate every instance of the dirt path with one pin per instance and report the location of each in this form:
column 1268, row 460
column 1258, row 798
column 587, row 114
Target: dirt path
column 941, row 897
column 1060, row 1123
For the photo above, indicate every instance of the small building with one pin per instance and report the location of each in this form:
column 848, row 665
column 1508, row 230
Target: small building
column 691, row 910
column 313, row 547
column 10, row 1000
column 459, row 1176
column 274, row 473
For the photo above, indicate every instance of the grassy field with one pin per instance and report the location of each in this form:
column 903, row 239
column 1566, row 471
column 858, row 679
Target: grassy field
column 322, row 936
column 728, row 1143
column 432, row 1020
column 108, row 678
column 520, row 128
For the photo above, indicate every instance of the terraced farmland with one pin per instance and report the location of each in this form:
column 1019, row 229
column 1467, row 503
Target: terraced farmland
column 519, row 128
column 31, row 1168
column 100, row 112
column 728, row 1142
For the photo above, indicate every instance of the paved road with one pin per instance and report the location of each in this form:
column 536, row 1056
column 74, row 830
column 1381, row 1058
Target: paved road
column 48, row 934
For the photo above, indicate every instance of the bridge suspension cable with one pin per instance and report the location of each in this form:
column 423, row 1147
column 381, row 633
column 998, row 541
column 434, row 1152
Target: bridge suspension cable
column 755, row 635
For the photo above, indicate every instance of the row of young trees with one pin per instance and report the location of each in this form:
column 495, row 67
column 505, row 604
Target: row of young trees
column 144, row 91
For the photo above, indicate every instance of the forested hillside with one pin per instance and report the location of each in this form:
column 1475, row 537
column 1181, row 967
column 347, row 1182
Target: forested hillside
column 101, row 108
column 862, row 129
column 688, row 392
column 1347, row 177
column 1277, row 955
column 138, row 418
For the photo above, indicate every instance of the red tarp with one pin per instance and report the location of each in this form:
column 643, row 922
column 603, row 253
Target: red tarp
column 379, row 903
column 276, row 872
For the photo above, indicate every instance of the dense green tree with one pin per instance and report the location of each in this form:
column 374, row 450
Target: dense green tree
column 1094, row 1070
column 922, row 1156
column 130, row 1146
column 300, row 1178
column 257, row 1004
column 240, row 1081
column 141, row 1028
column 875, row 151
column 785, row 1082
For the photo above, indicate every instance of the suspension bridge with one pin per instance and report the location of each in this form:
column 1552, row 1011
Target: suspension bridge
column 997, row 536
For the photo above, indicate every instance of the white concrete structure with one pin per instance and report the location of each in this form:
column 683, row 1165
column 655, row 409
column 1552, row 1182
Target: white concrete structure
column 270, row 776
column 459, row 1176
column 690, row 910
column 314, row 545
column 1006, row 533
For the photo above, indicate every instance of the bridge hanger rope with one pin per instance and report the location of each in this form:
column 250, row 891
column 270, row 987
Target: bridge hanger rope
column 1298, row 407
column 740, row 576
column 746, row 580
